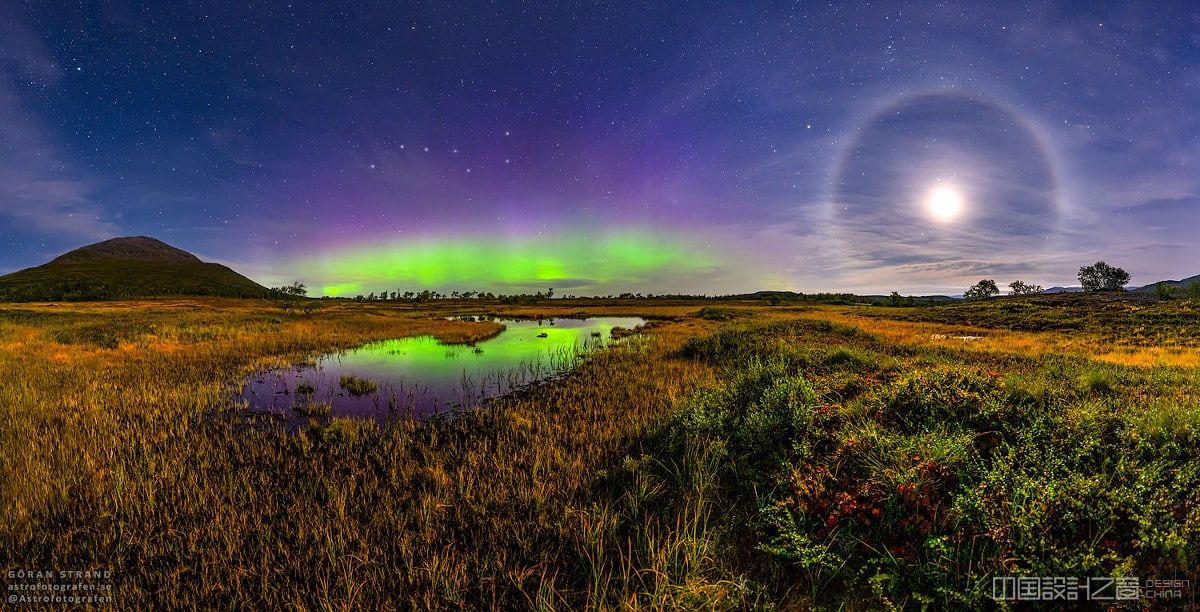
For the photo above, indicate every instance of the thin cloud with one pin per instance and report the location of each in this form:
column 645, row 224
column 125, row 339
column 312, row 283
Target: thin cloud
column 39, row 190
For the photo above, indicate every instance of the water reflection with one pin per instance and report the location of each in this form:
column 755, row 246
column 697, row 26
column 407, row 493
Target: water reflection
column 418, row 377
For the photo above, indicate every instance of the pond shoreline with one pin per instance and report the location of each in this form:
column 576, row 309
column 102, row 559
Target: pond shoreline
column 426, row 375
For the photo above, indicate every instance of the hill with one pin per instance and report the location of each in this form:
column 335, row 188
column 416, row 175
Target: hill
column 134, row 248
column 839, row 298
column 1179, row 284
column 137, row 266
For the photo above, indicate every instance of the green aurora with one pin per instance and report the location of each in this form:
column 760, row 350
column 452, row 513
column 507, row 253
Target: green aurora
column 577, row 260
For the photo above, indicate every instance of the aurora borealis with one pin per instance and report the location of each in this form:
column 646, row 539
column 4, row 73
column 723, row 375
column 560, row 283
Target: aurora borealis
column 709, row 147
column 566, row 262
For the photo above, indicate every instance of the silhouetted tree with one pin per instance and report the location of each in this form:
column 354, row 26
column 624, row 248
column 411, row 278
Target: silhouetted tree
column 1103, row 277
column 296, row 289
column 1020, row 288
column 984, row 289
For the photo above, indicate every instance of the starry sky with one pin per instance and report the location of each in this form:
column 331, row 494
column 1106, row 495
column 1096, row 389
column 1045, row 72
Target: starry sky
column 701, row 147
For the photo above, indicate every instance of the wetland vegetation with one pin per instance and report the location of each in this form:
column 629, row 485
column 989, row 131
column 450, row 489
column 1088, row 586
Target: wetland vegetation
column 423, row 376
column 729, row 454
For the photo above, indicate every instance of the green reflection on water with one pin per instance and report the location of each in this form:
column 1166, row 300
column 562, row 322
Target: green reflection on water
column 425, row 360
column 423, row 376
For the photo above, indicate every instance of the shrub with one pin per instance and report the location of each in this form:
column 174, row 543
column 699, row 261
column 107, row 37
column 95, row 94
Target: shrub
column 925, row 399
column 1165, row 291
column 918, row 487
column 721, row 313
column 855, row 359
column 763, row 417
column 767, row 341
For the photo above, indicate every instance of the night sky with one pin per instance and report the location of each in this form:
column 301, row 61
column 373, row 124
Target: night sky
column 644, row 147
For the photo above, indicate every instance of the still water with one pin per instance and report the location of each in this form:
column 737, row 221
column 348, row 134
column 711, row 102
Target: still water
column 418, row 377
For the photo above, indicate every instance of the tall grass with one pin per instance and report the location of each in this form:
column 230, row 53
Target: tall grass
column 765, row 460
column 111, row 459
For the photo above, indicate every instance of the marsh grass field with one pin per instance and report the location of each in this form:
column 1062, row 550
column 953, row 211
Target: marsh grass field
column 730, row 455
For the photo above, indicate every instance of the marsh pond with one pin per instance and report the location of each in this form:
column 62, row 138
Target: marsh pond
column 418, row 377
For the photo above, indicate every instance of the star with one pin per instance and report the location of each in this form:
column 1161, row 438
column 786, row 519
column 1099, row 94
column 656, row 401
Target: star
column 605, row 141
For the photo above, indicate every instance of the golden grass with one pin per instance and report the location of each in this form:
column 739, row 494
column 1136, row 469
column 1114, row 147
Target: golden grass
column 112, row 460
column 994, row 340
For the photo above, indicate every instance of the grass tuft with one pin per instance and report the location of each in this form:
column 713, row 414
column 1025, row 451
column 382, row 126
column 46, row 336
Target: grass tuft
column 355, row 385
column 1097, row 382
column 315, row 409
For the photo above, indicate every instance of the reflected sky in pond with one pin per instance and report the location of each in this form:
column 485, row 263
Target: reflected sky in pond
column 418, row 377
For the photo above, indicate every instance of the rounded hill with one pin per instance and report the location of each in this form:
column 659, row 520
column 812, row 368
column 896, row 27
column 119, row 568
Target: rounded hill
column 137, row 266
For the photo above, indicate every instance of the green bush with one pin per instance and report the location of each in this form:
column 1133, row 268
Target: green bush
column 925, row 399
column 875, row 476
column 763, row 417
column 721, row 313
column 783, row 340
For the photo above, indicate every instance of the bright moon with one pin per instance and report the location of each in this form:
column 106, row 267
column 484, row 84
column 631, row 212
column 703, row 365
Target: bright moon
column 945, row 203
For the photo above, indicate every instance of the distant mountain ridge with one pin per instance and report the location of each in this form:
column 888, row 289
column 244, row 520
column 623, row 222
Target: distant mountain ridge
column 129, row 267
column 1178, row 284
column 839, row 297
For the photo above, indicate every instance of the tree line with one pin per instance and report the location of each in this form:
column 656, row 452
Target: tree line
column 1097, row 277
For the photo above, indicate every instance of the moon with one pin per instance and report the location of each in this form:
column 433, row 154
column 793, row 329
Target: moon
column 932, row 180
column 944, row 203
